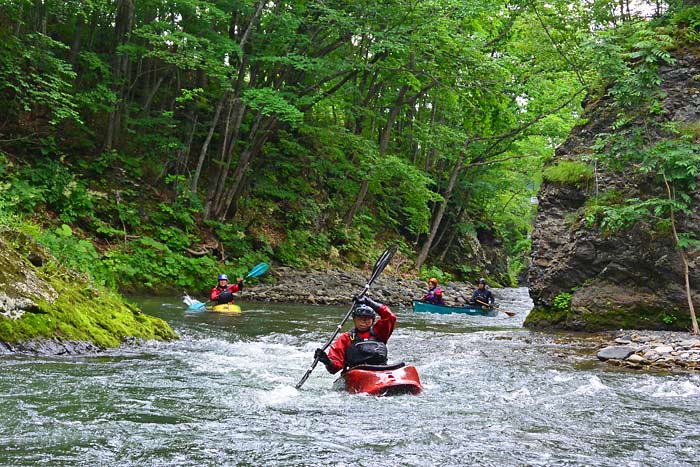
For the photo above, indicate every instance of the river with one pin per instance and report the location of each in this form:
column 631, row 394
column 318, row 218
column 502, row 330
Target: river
column 495, row 394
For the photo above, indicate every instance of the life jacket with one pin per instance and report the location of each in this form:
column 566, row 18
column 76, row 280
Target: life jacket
column 434, row 296
column 370, row 350
column 483, row 295
column 224, row 295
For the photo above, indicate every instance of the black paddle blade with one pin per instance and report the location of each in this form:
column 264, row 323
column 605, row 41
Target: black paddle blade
column 382, row 263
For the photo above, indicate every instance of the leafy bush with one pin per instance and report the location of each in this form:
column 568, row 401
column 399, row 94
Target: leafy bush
column 52, row 184
column 426, row 272
column 300, row 246
column 562, row 302
column 75, row 252
column 687, row 21
column 148, row 264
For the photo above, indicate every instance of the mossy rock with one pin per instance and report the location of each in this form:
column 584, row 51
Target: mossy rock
column 607, row 319
column 63, row 304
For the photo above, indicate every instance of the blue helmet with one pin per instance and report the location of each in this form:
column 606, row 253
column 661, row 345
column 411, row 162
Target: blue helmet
column 363, row 310
column 223, row 277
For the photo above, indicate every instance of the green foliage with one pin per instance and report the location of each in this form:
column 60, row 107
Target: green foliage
column 426, row 272
column 34, row 79
column 629, row 58
column 405, row 191
column 672, row 161
column 306, row 96
column 569, row 173
column 687, row 20
column 52, row 185
column 595, row 207
column 667, row 318
column 77, row 253
column 272, row 102
column 300, row 247
column 562, row 302
column 148, row 264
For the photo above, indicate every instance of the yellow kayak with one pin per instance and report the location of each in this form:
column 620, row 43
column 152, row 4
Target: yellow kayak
column 226, row 308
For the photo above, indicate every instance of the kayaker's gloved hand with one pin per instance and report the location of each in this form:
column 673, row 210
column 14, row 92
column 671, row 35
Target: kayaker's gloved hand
column 240, row 283
column 321, row 356
column 365, row 300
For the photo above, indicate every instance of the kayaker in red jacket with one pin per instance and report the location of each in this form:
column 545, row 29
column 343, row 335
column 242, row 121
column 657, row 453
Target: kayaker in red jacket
column 365, row 343
column 223, row 292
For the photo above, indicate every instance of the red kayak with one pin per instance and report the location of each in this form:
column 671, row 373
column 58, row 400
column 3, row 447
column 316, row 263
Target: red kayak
column 382, row 380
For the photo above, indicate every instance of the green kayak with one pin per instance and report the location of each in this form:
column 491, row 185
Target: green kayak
column 477, row 310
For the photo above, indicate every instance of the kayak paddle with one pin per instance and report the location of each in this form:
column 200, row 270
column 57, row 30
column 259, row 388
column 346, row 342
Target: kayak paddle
column 196, row 305
column 258, row 270
column 378, row 268
column 509, row 313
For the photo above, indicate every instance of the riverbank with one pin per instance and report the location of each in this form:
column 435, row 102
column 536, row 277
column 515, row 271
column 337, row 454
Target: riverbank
column 653, row 350
column 336, row 287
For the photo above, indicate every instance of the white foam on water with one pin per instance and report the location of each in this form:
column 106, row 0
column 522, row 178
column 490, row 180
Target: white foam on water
column 594, row 386
column 276, row 396
column 522, row 394
column 676, row 389
column 559, row 378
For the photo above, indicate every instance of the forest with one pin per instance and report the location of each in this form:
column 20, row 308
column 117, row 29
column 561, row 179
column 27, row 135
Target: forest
column 153, row 144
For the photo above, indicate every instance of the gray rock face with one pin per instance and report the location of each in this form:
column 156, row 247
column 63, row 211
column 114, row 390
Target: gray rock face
column 636, row 271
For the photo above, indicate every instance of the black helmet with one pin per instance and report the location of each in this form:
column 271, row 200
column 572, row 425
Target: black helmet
column 482, row 281
column 363, row 310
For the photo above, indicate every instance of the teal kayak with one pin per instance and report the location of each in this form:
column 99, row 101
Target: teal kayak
column 476, row 310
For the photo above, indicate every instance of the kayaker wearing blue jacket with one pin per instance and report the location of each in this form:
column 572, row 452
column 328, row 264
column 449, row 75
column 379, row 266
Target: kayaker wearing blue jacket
column 223, row 292
column 434, row 294
column 365, row 343
column 482, row 294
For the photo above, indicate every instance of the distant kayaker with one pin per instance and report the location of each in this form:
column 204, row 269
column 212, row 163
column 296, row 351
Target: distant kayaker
column 434, row 294
column 223, row 292
column 365, row 343
column 482, row 294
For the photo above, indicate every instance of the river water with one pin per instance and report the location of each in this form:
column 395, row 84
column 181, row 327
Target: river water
column 495, row 394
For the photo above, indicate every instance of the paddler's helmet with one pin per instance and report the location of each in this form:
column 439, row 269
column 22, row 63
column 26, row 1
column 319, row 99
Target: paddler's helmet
column 482, row 281
column 363, row 310
column 223, row 277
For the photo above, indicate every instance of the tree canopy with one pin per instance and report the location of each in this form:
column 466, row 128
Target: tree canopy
column 178, row 133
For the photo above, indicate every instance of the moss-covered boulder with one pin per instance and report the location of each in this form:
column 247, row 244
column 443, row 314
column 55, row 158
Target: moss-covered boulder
column 42, row 300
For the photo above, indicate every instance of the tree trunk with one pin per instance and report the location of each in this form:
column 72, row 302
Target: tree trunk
column 383, row 144
column 684, row 260
column 230, row 205
column 437, row 218
column 124, row 23
column 40, row 14
column 77, row 39
column 205, row 145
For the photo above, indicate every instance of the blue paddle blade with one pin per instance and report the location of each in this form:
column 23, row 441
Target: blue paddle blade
column 258, row 270
column 196, row 306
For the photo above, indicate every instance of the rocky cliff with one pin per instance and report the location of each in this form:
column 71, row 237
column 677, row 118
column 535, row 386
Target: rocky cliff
column 582, row 277
column 47, row 308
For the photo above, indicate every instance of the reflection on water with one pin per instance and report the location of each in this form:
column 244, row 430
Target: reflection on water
column 495, row 395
